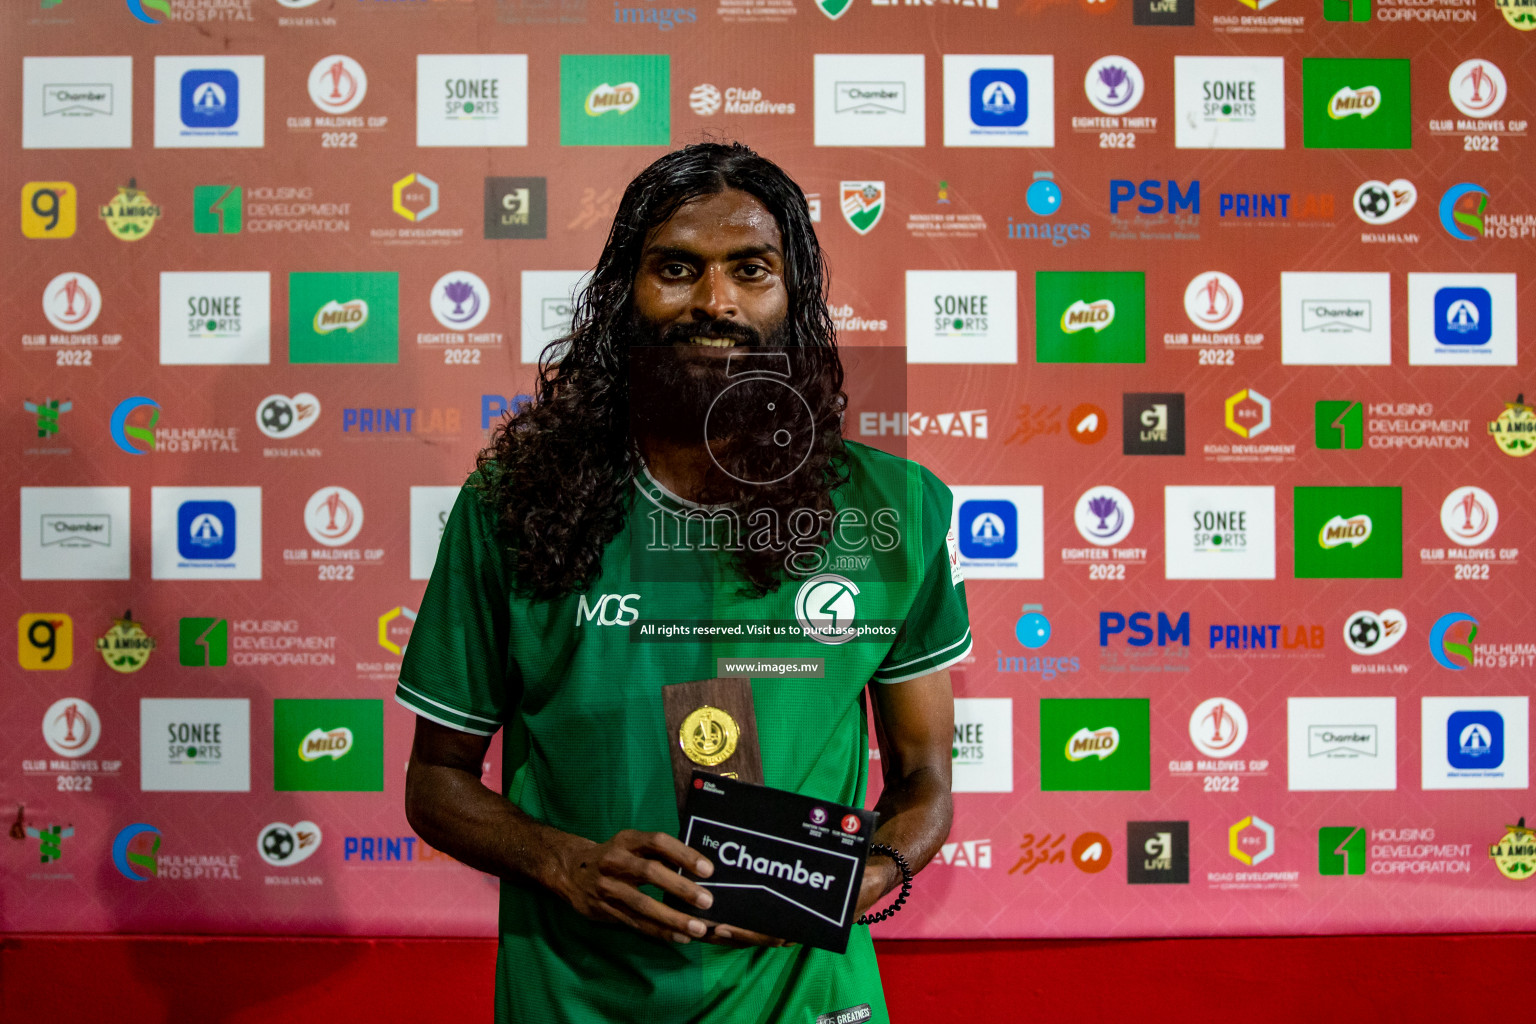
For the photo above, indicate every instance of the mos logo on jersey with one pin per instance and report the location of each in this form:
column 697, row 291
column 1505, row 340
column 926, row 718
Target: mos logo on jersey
column 608, row 610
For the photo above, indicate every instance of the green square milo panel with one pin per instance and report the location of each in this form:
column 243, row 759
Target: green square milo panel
column 615, row 100
column 1090, row 317
column 344, row 318
column 1349, row 532
column 1095, row 744
column 1356, row 103
column 328, row 745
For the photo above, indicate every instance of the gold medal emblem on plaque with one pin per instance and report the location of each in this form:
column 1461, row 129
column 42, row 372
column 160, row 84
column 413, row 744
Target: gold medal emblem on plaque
column 708, row 736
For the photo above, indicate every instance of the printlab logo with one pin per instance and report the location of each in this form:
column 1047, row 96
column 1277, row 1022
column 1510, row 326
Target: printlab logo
column 1218, row 727
column 1370, row 633
column 1104, row 516
column 460, row 300
column 1461, row 211
column 1153, row 423
column 515, row 207
column 45, row 641
column 71, row 727
column 1114, row 85
column 337, row 84
column 1157, row 852
column 1469, row 515
column 1478, row 88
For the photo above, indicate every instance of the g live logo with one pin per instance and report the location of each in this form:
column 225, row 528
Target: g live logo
column 604, row 610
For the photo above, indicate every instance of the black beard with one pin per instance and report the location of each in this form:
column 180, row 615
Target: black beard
column 672, row 391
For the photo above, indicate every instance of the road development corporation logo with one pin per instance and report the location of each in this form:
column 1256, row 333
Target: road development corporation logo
column 825, row 608
column 1247, row 413
column 1384, row 202
column 1114, row 85
column 1371, row 633
column 337, row 84
column 1478, row 88
column 71, row 727
column 1251, row 840
column 1218, row 727
column 282, row 845
column 136, row 852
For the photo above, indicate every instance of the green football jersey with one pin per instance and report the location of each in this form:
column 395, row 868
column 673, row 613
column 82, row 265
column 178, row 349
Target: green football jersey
column 576, row 682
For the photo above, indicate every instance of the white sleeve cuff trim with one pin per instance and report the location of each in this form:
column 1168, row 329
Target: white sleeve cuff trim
column 964, row 639
column 941, row 666
column 446, row 707
column 456, row 726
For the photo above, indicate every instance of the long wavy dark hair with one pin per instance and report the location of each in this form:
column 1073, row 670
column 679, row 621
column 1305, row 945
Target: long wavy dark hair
column 559, row 471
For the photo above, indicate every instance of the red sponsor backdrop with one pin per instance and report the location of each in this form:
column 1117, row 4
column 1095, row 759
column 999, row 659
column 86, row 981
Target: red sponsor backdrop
column 1428, row 849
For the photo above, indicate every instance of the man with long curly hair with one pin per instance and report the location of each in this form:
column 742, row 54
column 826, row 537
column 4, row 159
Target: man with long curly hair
column 682, row 462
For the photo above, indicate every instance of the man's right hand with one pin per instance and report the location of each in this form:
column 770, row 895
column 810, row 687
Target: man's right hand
column 601, row 881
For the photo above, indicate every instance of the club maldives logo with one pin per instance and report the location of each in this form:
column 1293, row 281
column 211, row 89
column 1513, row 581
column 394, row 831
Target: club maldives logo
column 863, row 204
column 1348, row 102
column 1083, row 315
column 71, row 302
column 1469, row 515
column 1114, row 85
column 1478, row 88
column 1442, row 647
column 337, row 84
column 71, row 727
column 1461, row 211
column 1213, row 301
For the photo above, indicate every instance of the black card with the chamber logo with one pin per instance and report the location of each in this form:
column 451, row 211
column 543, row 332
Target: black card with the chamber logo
column 786, row 865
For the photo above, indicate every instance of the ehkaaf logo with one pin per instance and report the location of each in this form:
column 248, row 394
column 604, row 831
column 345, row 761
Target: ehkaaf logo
column 608, row 609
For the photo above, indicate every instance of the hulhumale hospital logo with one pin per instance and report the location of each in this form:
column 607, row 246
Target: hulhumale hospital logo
column 135, row 440
column 137, row 861
column 1442, row 647
column 1461, row 211
column 141, row 9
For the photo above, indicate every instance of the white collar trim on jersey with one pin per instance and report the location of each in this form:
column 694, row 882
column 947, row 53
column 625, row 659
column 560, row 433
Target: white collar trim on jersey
column 664, row 490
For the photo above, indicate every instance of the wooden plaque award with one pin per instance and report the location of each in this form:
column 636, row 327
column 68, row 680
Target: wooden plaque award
column 711, row 727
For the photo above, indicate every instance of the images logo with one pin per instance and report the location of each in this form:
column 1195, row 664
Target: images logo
column 45, row 641
column 1380, row 202
column 1478, row 88
column 1213, row 301
column 124, row 435
column 1469, row 515
column 337, row 84
column 144, row 855
column 48, row 209
column 1369, row 633
column 863, row 204
column 1218, row 727
column 1442, row 647
column 1033, row 629
column 1461, row 211
column 1114, row 85
column 218, row 209
column 71, row 302
column 1341, row 851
